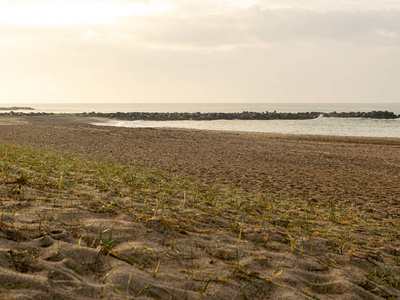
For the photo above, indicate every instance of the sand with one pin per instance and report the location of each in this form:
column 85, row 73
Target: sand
column 354, row 168
column 358, row 173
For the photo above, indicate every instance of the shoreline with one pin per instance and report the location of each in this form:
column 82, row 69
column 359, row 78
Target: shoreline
column 105, row 123
column 71, row 120
column 75, row 119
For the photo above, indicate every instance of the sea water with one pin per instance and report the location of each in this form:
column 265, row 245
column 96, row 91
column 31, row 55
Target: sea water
column 320, row 126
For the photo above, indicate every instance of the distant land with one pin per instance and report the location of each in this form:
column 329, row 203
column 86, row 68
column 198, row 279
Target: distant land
column 17, row 108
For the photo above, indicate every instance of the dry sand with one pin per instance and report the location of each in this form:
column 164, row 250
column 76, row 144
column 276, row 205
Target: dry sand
column 356, row 172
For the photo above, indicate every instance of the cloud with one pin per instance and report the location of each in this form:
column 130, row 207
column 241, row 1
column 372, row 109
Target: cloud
column 188, row 24
column 258, row 26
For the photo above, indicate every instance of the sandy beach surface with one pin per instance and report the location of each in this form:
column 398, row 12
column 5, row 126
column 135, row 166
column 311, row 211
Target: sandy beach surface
column 356, row 173
column 354, row 168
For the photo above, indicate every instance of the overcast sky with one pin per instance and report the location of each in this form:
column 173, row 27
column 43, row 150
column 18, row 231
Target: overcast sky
column 199, row 51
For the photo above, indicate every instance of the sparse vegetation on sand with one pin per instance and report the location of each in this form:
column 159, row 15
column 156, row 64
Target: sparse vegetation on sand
column 73, row 227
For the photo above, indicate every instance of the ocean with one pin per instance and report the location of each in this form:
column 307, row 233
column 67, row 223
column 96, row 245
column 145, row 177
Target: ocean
column 320, row 126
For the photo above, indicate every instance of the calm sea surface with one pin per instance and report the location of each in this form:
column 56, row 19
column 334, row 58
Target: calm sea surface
column 324, row 126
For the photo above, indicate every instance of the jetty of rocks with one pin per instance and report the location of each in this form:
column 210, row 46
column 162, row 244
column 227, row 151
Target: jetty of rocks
column 12, row 108
column 176, row 116
column 245, row 115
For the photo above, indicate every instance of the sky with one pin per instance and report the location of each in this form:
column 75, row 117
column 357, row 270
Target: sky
column 200, row 51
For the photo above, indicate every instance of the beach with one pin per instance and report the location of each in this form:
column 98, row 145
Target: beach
column 355, row 168
column 354, row 177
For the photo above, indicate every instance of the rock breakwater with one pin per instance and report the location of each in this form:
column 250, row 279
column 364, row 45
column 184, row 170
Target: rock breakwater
column 177, row 116
column 12, row 108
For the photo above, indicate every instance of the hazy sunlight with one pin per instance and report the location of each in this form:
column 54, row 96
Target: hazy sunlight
column 67, row 13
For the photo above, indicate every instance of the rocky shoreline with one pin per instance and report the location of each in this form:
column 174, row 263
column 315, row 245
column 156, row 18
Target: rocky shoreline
column 176, row 116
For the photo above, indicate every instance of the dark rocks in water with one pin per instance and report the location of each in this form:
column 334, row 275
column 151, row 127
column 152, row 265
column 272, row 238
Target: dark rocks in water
column 370, row 115
column 12, row 108
column 246, row 115
column 175, row 116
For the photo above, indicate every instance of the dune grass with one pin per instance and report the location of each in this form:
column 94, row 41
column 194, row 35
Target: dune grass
column 178, row 209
